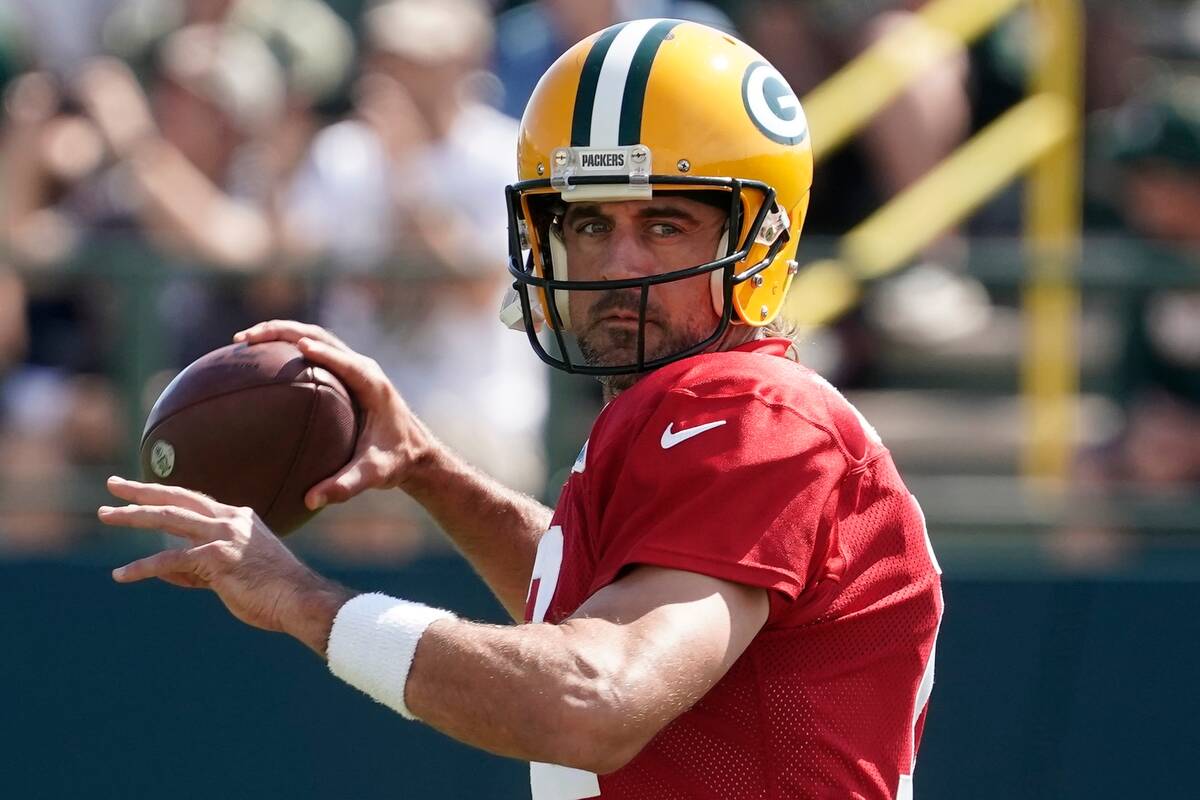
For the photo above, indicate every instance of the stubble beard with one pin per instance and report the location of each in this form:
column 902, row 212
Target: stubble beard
column 617, row 345
column 610, row 347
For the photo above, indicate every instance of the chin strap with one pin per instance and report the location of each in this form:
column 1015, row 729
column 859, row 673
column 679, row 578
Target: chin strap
column 510, row 307
column 513, row 317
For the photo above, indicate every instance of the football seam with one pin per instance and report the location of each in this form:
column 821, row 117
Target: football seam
column 314, row 401
column 208, row 398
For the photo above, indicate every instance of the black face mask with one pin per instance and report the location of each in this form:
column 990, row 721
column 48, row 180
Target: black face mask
column 631, row 294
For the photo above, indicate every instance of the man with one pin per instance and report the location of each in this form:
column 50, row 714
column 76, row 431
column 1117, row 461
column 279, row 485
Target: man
column 740, row 596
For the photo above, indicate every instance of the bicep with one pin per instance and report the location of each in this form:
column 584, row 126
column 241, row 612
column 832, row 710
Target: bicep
column 668, row 636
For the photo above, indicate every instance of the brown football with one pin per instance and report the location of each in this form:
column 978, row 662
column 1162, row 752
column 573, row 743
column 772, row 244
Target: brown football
column 251, row 425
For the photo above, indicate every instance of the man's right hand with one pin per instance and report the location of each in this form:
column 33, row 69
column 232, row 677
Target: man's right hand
column 392, row 439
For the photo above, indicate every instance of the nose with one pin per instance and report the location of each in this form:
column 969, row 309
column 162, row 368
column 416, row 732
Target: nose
column 628, row 256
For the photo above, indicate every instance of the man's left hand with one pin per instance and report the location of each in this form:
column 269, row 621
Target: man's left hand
column 231, row 552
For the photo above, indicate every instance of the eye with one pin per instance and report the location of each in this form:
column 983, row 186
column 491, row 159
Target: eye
column 592, row 228
column 664, row 229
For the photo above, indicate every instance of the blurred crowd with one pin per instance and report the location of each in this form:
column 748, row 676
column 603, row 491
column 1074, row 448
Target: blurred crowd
column 174, row 170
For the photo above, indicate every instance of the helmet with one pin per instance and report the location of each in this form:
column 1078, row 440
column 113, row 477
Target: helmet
column 654, row 106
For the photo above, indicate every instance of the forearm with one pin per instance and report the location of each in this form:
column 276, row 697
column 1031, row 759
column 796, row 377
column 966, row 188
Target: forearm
column 495, row 528
column 13, row 336
column 525, row 692
column 23, row 179
column 186, row 205
column 589, row 692
column 538, row 692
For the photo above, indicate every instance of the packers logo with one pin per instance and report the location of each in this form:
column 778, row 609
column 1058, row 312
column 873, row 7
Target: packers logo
column 772, row 105
column 606, row 160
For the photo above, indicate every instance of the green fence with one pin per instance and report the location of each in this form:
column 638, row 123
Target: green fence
column 1050, row 687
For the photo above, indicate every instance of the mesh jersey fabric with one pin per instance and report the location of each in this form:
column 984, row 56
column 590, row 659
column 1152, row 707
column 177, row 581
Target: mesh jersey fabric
column 745, row 466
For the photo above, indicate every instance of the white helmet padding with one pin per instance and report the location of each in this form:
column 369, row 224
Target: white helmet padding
column 716, row 278
column 558, row 262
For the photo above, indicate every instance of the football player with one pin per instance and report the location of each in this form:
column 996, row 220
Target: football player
column 735, row 596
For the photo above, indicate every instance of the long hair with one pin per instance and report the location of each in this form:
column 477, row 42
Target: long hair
column 783, row 328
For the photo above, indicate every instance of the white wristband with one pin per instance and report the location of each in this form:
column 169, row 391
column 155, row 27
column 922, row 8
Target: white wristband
column 372, row 644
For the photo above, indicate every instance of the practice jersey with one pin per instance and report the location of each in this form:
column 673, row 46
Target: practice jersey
column 745, row 466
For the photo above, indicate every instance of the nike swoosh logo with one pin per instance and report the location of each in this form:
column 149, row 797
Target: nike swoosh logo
column 671, row 438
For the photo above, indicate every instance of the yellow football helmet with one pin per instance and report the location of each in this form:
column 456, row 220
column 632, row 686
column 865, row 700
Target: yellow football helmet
column 649, row 106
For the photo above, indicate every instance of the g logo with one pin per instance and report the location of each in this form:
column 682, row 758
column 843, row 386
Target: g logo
column 772, row 105
column 162, row 458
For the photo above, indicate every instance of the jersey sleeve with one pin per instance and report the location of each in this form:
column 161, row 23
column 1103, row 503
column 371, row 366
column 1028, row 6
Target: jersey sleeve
column 733, row 487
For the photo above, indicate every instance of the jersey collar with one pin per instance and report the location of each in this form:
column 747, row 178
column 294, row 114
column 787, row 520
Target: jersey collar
column 770, row 347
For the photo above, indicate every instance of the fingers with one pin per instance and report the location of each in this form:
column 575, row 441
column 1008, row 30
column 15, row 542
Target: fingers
column 288, row 331
column 361, row 375
column 196, row 528
column 157, row 494
column 353, row 479
column 179, row 565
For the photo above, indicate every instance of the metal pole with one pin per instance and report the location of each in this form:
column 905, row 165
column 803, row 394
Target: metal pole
column 1050, row 369
column 937, row 202
column 849, row 99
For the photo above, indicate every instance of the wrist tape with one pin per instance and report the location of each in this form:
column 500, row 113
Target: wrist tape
column 372, row 644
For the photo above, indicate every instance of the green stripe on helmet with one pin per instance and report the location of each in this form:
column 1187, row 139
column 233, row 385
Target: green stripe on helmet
column 585, row 95
column 634, row 99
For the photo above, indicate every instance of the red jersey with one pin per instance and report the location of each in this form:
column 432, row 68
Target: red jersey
column 747, row 467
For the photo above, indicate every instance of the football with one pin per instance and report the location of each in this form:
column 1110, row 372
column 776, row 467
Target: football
column 251, row 425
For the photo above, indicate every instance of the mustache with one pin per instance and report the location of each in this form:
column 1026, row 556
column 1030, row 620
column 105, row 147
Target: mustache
column 620, row 300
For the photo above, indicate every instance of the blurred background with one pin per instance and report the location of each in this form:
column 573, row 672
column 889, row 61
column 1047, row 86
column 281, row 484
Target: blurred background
column 1001, row 268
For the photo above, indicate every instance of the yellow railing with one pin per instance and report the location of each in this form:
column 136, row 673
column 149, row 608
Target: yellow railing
column 1038, row 137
